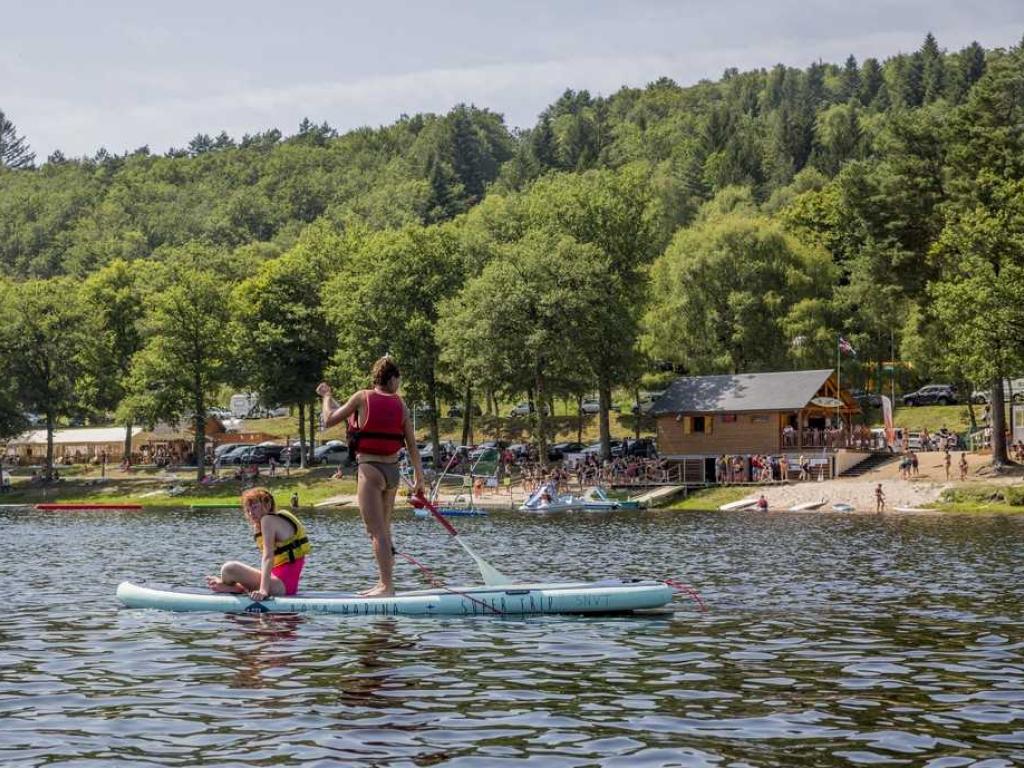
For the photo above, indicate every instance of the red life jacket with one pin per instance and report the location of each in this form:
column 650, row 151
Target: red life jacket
column 381, row 433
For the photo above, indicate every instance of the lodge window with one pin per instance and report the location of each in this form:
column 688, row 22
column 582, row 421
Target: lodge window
column 698, row 424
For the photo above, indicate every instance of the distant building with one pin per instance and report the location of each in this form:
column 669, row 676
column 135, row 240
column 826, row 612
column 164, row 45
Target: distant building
column 75, row 445
column 753, row 413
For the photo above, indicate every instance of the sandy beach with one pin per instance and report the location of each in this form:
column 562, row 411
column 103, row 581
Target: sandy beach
column 919, row 492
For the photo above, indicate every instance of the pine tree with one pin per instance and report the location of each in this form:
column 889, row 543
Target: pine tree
column 849, row 80
column 972, row 64
column 543, row 145
column 14, row 150
column 467, row 153
column 933, row 72
column 871, row 82
column 200, row 144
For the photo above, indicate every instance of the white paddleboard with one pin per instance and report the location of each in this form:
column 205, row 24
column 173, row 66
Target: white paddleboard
column 610, row 596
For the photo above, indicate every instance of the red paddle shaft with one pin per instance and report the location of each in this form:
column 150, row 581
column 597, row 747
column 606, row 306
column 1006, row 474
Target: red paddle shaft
column 421, row 502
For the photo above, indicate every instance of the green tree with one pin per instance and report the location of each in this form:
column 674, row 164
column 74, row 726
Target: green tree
column 113, row 307
column 385, row 301
column 280, row 331
column 186, row 356
column 41, row 334
column 14, row 149
column 980, row 299
column 524, row 323
column 618, row 213
column 724, row 294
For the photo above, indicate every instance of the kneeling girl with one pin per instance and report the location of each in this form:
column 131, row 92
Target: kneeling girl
column 280, row 537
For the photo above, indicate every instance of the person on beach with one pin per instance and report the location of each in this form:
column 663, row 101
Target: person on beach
column 963, row 467
column 879, row 498
column 379, row 425
column 281, row 539
column 947, row 462
column 762, row 504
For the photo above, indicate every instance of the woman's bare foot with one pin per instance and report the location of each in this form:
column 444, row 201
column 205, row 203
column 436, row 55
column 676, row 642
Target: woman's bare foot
column 219, row 586
column 378, row 591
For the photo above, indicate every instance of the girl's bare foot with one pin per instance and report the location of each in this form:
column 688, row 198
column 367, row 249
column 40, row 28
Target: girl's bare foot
column 219, row 586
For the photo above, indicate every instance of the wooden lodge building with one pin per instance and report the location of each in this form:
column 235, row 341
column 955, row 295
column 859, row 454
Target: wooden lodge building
column 791, row 412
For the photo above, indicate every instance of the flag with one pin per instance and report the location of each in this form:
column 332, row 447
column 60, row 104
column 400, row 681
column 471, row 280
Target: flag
column 890, row 428
column 847, row 347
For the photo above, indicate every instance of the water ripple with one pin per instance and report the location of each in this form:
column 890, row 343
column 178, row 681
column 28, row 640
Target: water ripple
column 829, row 641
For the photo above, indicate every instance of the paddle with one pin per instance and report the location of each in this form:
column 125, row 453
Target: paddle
column 492, row 576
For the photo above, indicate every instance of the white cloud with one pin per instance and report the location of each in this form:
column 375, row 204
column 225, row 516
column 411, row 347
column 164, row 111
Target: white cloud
column 165, row 107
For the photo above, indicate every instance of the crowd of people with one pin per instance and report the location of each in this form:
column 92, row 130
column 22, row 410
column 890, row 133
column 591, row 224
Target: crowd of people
column 593, row 471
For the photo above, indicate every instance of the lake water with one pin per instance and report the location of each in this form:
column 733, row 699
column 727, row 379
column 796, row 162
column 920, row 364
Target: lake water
column 829, row 640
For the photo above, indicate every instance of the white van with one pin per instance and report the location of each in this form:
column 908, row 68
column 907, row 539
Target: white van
column 241, row 404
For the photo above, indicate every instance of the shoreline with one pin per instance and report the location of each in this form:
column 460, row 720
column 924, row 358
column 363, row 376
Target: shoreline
column 317, row 488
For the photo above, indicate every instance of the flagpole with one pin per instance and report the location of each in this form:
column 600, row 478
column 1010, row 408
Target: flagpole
column 839, row 378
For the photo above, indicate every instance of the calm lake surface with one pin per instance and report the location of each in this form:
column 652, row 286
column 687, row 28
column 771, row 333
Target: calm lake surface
column 829, row 640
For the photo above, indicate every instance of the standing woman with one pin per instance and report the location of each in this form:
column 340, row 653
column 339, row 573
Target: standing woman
column 379, row 425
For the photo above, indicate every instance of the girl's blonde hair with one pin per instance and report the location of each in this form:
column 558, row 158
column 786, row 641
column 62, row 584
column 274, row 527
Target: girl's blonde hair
column 259, row 496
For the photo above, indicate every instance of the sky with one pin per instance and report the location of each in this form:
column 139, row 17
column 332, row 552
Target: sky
column 120, row 74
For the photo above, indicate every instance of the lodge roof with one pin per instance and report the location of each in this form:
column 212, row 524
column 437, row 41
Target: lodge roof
column 780, row 391
column 80, row 436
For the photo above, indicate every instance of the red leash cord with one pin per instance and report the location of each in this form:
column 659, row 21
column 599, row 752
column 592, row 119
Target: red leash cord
column 686, row 589
column 438, row 584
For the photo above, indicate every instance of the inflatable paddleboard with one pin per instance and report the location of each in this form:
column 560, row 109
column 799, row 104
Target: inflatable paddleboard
column 453, row 512
column 611, row 596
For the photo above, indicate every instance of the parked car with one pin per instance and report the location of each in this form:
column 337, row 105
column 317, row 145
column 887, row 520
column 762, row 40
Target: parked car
column 981, row 396
column 866, row 399
column 480, row 450
column 644, row 448
column 225, row 448
column 558, row 451
column 230, row 451
column 933, row 394
column 647, row 400
column 595, row 448
column 291, row 454
column 519, row 450
column 455, row 412
column 525, row 409
column 257, row 454
column 261, row 412
column 331, row 452
column 592, row 406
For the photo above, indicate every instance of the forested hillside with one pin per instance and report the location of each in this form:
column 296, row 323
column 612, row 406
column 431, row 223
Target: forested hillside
column 741, row 224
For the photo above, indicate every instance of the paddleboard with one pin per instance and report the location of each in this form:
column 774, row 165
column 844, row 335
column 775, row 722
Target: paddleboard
column 842, row 507
column 612, row 596
column 72, row 506
column 913, row 509
column 452, row 512
column 808, row 505
column 733, row 506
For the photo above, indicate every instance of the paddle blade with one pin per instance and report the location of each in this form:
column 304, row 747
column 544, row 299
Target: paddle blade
column 492, row 576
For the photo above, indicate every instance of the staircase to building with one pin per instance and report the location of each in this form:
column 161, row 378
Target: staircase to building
column 871, row 463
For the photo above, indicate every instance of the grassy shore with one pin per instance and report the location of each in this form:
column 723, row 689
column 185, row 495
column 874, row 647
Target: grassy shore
column 982, row 497
column 710, row 498
column 313, row 486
